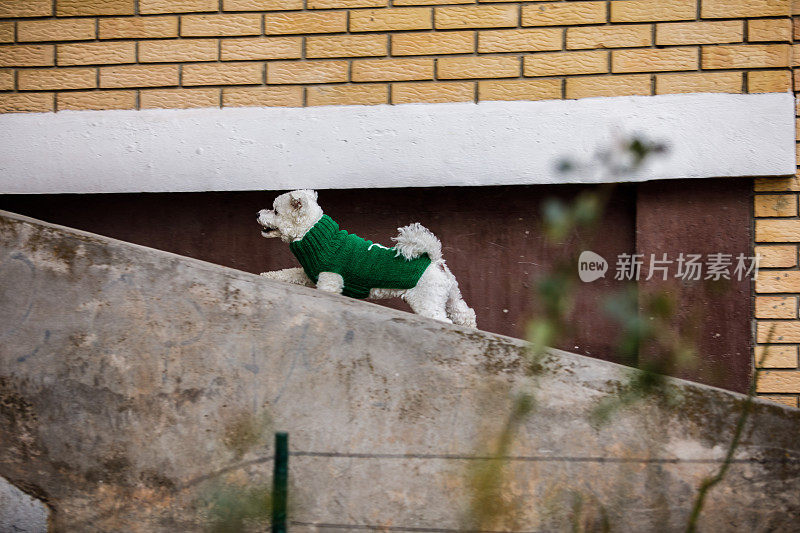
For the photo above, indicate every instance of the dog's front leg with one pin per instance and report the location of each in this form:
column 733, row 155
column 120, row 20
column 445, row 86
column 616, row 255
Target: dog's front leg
column 330, row 282
column 296, row 276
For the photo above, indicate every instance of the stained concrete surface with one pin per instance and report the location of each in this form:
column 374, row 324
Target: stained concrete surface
column 19, row 512
column 139, row 389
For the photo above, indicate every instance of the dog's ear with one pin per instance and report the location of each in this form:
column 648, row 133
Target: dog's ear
column 295, row 200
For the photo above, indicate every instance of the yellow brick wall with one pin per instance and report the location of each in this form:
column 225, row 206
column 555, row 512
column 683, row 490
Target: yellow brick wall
column 137, row 54
column 777, row 235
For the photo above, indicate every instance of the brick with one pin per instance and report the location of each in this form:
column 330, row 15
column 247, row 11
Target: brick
column 226, row 25
column 6, row 31
column 96, row 100
column 654, row 59
column 699, row 82
column 450, row 68
column 540, row 89
column 451, row 42
column 776, row 307
column 706, row 32
column 177, row 50
column 432, row 2
column 791, row 401
column 778, row 281
column 630, row 35
column 776, row 356
column 179, row 98
column 261, row 5
column 341, row 4
column 281, row 72
column 392, row 69
column 403, row 18
column 90, row 8
column 26, row 102
column 346, row 46
column 769, row 30
column 96, row 53
column 52, row 78
column 778, row 331
column 371, row 94
column 433, row 92
column 223, row 74
column 587, row 86
column 778, row 381
column 138, row 76
column 777, row 184
column 784, row 399
column 27, row 55
column 746, row 56
column 262, row 48
column 563, row 13
column 650, row 11
column 6, row 80
column 55, row 30
column 744, row 8
column 778, row 230
column 26, row 8
column 296, row 23
column 565, row 63
column 769, row 81
column 262, row 96
column 152, row 7
column 532, row 40
column 138, row 27
column 481, row 16
column 775, row 205
column 783, row 256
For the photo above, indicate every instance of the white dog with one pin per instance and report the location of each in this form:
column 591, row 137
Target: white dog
column 343, row 263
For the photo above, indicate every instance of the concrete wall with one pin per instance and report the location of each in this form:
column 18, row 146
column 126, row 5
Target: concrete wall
column 65, row 55
column 139, row 387
column 20, row 512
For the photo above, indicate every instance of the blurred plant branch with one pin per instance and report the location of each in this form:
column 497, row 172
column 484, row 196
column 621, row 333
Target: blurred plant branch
column 646, row 321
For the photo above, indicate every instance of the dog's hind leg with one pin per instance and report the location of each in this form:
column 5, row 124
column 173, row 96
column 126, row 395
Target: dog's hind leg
column 457, row 309
column 429, row 297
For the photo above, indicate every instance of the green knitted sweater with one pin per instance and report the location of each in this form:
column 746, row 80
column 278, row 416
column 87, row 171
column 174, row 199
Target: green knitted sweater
column 362, row 264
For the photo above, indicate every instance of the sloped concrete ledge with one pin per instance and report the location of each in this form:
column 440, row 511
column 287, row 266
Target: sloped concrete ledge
column 137, row 386
column 20, row 512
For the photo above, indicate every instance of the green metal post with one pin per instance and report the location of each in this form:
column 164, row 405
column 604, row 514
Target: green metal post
column 280, row 478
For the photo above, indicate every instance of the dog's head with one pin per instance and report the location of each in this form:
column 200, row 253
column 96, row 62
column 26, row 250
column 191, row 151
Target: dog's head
column 291, row 216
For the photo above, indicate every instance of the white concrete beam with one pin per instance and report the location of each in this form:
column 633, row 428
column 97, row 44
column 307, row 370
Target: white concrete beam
column 413, row 145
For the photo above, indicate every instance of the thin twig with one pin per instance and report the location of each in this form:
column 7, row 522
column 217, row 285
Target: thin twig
column 709, row 482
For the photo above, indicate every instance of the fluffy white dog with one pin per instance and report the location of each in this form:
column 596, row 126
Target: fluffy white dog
column 343, row 263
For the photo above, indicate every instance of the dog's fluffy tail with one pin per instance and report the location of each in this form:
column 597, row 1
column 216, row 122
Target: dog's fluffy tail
column 414, row 240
